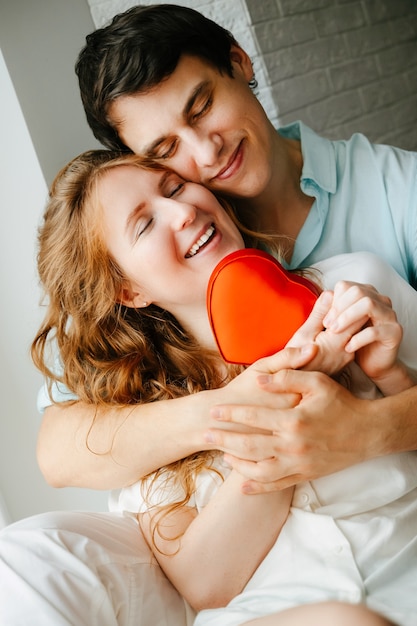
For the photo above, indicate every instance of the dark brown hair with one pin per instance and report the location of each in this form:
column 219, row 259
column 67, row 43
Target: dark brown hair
column 139, row 49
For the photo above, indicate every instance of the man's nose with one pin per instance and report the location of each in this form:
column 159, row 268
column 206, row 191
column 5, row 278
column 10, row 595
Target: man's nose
column 204, row 148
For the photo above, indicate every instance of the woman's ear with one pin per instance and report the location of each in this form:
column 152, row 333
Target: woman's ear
column 242, row 60
column 132, row 299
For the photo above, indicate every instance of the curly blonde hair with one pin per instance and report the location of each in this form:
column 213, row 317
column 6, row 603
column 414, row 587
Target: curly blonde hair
column 111, row 354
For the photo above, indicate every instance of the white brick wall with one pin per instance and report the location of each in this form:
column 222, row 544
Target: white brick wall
column 342, row 65
column 339, row 65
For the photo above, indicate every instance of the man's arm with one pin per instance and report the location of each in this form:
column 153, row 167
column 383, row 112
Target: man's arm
column 80, row 445
column 329, row 430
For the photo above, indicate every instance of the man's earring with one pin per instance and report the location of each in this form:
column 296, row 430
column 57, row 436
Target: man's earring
column 145, row 304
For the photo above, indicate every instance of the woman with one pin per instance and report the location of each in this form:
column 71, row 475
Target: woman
column 125, row 264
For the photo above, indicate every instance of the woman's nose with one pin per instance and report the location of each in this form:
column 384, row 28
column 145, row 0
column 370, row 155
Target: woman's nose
column 182, row 214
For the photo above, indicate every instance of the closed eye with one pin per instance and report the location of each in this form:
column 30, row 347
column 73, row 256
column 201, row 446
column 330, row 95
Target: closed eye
column 175, row 190
column 168, row 153
column 205, row 108
column 170, row 184
column 142, row 228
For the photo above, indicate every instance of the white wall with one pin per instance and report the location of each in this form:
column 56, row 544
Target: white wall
column 22, row 197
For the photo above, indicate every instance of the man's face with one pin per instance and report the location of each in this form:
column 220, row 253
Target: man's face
column 207, row 126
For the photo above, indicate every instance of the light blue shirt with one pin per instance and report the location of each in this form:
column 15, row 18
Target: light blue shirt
column 365, row 200
column 59, row 392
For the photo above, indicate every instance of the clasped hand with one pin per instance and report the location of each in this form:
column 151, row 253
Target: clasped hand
column 285, row 420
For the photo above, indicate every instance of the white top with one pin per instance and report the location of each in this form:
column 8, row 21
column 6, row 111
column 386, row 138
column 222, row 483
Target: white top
column 351, row 536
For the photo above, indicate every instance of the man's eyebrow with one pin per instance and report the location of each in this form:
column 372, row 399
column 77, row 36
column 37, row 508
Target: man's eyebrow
column 196, row 93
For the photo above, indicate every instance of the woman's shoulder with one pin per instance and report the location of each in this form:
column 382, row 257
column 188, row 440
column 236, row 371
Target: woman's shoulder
column 359, row 267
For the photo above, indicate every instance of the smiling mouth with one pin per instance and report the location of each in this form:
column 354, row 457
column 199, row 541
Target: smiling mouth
column 202, row 241
column 226, row 171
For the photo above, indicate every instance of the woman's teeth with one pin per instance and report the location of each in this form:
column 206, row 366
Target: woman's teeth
column 203, row 239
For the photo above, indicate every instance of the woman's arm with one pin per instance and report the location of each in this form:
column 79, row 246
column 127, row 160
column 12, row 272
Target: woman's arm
column 82, row 446
column 221, row 547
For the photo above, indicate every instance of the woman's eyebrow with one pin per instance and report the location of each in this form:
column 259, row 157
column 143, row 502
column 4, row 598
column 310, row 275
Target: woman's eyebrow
column 133, row 215
column 164, row 178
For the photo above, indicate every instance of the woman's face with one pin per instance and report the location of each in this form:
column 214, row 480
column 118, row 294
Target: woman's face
column 167, row 235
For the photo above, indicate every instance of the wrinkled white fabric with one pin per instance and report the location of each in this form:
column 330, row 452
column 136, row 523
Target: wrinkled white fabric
column 349, row 537
column 83, row 569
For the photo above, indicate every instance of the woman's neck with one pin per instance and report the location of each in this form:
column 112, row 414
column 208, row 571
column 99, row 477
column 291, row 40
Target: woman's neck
column 197, row 323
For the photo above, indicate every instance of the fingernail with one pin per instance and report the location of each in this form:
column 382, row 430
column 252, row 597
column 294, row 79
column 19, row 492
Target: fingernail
column 216, row 413
column 208, row 437
column 326, row 297
column 264, row 379
column 247, row 488
column 327, row 320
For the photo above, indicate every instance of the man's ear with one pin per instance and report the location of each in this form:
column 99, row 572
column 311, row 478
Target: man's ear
column 240, row 58
column 131, row 299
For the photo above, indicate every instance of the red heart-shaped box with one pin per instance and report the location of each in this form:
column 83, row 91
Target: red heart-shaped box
column 255, row 305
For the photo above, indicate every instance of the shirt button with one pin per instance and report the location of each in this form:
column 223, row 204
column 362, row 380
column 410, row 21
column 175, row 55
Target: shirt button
column 355, row 597
column 304, row 498
column 338, row 549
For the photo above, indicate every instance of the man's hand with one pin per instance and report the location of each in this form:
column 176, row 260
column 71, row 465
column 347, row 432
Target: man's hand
column 328, row 430
column 245, row 390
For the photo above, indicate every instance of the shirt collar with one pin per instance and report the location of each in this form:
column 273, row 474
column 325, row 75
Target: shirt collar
column 319, row 163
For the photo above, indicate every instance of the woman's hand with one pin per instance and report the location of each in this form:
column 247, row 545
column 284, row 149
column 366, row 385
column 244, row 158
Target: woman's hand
column 354, row 321
column 331, row 356
column 376, row 343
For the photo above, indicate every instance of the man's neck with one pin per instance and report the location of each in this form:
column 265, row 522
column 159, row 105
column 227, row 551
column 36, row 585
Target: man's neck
column 283, row 208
